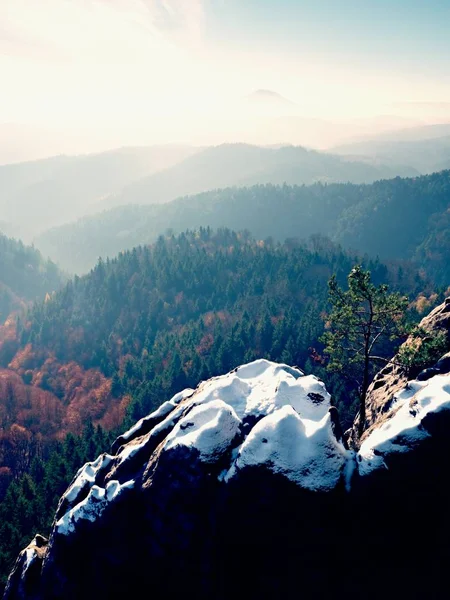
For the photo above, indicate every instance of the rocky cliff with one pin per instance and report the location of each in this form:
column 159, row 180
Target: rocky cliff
column 392, row 378
column 244, row 487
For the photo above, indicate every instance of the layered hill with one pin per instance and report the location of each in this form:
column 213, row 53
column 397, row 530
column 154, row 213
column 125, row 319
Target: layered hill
column 243, row 165
column 425, row 155
column 416, row 133
column 256, row 459
column 24, row 276
column 394, row 219
column 49, row 192
column 52, row 191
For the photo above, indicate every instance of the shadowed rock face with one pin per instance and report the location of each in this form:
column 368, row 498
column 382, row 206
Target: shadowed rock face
column 243, row 488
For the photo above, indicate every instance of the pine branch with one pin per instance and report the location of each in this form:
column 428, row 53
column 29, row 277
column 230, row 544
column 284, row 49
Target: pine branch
column 386, row 361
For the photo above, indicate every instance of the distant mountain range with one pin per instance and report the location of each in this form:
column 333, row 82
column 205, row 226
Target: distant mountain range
column 42, row 194
column 52, row 191
column 394, row 219
column 243, row 165
column 268, row 95
column 46, row 193
column 269, row 102
column 426, row 154
column 414, row 134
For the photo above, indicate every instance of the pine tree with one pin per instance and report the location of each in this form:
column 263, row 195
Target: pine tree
column 361, row 319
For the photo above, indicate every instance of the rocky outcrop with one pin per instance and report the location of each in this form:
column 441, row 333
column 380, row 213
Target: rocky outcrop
column 24, row 579
column 245, row 488
column 390, row 380
column 189, row 485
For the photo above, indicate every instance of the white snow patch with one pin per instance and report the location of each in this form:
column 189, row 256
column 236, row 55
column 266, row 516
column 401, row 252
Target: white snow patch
column 300, row 433
column 161, row 412
column 92, row 506
column 293, row 437
column 86, row 476
column 403, row 431
column 30, row 555
column 349, row 469
column 304, row 451
column 166, row 425
column 262, row 386
column 210, row 428
column 131, row 449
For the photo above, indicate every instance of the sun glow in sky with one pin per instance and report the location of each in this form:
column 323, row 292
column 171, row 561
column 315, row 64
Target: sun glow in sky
column 102, row 73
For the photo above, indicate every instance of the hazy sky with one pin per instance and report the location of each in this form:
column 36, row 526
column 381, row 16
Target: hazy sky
column 130, row 70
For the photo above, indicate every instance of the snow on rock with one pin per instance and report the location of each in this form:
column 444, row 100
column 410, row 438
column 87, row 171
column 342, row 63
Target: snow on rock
column 30, row 556
column 305, row 451
column 27, row 567
column 86, row 499
column 261, row 414
column 282, row 405
column 147, row 440
column 293, row 435
column 210, row 428
column 131, row 450
column 86, row 476
column 92, row 506
column 403, row 428
column 264, row 415
column 261, row 387
column 211, row 418
column 165, row 409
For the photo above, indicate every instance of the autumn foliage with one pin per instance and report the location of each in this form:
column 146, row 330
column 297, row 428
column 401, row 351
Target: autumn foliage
column 43, row 400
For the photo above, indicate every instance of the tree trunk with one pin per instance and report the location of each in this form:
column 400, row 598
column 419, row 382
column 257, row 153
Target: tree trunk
column 365, row 383
column 362, row 398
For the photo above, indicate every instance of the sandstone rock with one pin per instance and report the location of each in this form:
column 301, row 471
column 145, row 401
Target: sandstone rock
column 24, row 579
column 392, row 378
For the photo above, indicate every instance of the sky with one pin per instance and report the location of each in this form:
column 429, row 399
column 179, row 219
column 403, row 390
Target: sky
column 92, row 74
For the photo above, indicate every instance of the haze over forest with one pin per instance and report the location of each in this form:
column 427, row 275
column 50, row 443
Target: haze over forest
column 145, row 101
column 184, row 184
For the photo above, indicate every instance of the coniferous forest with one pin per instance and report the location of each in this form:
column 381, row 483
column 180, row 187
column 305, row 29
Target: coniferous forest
column 107, row 348
column 24, row 275
column 393, row 219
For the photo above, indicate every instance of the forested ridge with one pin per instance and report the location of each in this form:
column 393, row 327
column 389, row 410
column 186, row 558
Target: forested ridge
column 111, row 346
column 183, row 300
column 44, row 193
column 394, row 219
column 245, row 164
column 51, row 191
column 24, row 275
